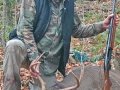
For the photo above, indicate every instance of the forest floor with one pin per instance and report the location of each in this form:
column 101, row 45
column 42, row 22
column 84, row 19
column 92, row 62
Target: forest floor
column 87, row 43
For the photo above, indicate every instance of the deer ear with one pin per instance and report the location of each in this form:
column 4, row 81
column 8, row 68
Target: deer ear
column 56, row 87
column 33, row 86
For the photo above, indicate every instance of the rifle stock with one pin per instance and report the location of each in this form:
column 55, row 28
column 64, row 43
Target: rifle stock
column 109, row 47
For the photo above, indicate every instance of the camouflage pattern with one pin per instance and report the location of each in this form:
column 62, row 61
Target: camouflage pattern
column 15, row 57
column 82, row 31
column 52, row 42
column 25, row 27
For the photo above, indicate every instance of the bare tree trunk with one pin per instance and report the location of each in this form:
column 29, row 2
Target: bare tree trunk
column 117, row 58
column 7, row 18
column 8, row 12
column 117, row 63
column 4, row 21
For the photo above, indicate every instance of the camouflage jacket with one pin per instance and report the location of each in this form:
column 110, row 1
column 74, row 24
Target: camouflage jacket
column 26, row 25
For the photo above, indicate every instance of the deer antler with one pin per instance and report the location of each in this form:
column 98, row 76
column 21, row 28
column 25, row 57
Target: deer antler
column 77, row 79
column 43, row 84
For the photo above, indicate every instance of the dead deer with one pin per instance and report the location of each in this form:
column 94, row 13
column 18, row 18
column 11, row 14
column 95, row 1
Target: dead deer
column 93, row 79
column 85, row 78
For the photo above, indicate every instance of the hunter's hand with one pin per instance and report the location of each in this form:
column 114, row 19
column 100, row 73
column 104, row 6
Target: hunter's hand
column 34, row 68
column 106, row 22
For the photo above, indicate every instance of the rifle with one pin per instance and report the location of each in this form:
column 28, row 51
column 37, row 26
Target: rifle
column 109, row 48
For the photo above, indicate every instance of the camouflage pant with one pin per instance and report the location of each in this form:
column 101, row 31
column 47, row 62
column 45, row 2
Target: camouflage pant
column 14, row 58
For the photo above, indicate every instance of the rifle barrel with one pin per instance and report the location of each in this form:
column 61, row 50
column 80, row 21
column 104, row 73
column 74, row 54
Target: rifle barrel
column 108, row 53
column 109, row 47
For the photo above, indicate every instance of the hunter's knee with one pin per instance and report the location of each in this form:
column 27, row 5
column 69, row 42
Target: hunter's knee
column 14, row 42
column 14, row 45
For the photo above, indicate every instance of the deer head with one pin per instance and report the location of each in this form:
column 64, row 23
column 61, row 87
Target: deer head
column 43, row 84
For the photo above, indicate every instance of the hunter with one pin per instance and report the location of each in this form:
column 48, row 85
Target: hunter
column 45, row 26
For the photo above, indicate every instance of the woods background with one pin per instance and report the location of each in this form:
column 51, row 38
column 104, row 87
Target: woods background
column 89, row 11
